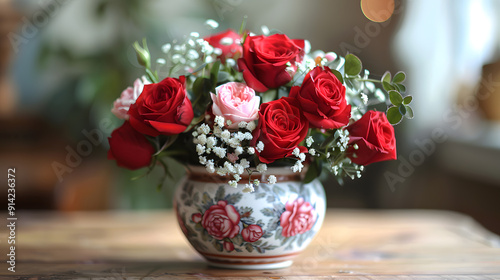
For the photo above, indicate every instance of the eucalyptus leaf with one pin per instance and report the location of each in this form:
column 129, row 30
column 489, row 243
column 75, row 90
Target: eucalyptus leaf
column 338, row 75
column 399, row 77
column 400, row 87
column 402, row 109
column 409, row 112
column 386, row 77
column 387, row 86
column 353, row 65
column 407, row 100
column 393, row 115
column 396, row 98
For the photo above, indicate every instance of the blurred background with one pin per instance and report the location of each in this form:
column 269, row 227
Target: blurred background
column 63, row 62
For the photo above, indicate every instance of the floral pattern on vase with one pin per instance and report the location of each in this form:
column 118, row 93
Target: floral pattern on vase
column 273, row 222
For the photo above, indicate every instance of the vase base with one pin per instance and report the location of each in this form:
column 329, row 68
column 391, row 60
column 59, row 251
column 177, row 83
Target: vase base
column 250, row 265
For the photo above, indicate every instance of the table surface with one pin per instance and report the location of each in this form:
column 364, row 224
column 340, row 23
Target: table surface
column 353, row 244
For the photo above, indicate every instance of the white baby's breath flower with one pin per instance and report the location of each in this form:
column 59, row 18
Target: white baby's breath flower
column 200, row 149
column 244, row 163
column 211, row 142
column 221, row 171
column 328, row 155
column 210, row 166
column 217, row 131
column 239, row 169
column 309, row 141
column 237, row 177
column 248, row 136
column 251, row 126
column 297, row 167
column 238, row 151
column 271, row 179
column 312, row 152
column 219, row 120
column 220, row 152
column 251, row 150
column 364, row 98
column 203, row 129
column 203, row 160
column 229, row 167
column 262, row 167
column 302, row 157
column 229, row 122
column 296, row 152
column 260, row 147
column 202, row 139
column 212, row 24
column 256, row 182
column 225, row 135
column 230, row 62
column 195, row 133
column 234, row 142
column 233, row 183
column 243, row 124
column 248, row 188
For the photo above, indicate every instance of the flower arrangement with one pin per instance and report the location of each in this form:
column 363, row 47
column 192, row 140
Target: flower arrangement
column 238, row 103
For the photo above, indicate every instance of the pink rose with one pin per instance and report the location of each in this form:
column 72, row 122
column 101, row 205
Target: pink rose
column 299, row 217
column 235, row 102
column 127, row 98
column 196, row 218
column 221, row 220
column 252, row 233
column 228, row 246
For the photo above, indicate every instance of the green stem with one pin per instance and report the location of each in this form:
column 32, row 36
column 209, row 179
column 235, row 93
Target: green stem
column 151, row 76
column 369, row 80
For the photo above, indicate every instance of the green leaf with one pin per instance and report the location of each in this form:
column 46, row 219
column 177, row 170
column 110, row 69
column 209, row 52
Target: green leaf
column 393, row 115
column 214, row 72
column 409, row 112
column 223, row 77
column 407, row 100
column 400, row 87
column 201, row 86
column 206, row 198
column 352, row 65
column 386, row 77
column 387, row 86
column 268, row 212
column 399, row 77
column 269, row 95
column 338, row 75
column 217, row 245
column 249, row 247
column 402, row 109
column 314, row 171
column 396, row 98
column 220, row 194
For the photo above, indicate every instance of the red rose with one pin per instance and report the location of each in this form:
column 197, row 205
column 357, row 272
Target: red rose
column 265, row 59
column 129, row 148
column 252, row 233
column 229, row 42
column 298, row 218
column 375, row 138
column 281, row 127
column 196, row 217
column 221, row 220
column 228, row 246
column 162, row 108
column 322, row 99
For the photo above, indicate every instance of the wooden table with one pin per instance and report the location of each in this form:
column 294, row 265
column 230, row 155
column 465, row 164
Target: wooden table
column 353, row 244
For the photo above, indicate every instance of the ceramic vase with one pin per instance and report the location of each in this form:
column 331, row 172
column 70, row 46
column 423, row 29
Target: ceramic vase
column 263, row 229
